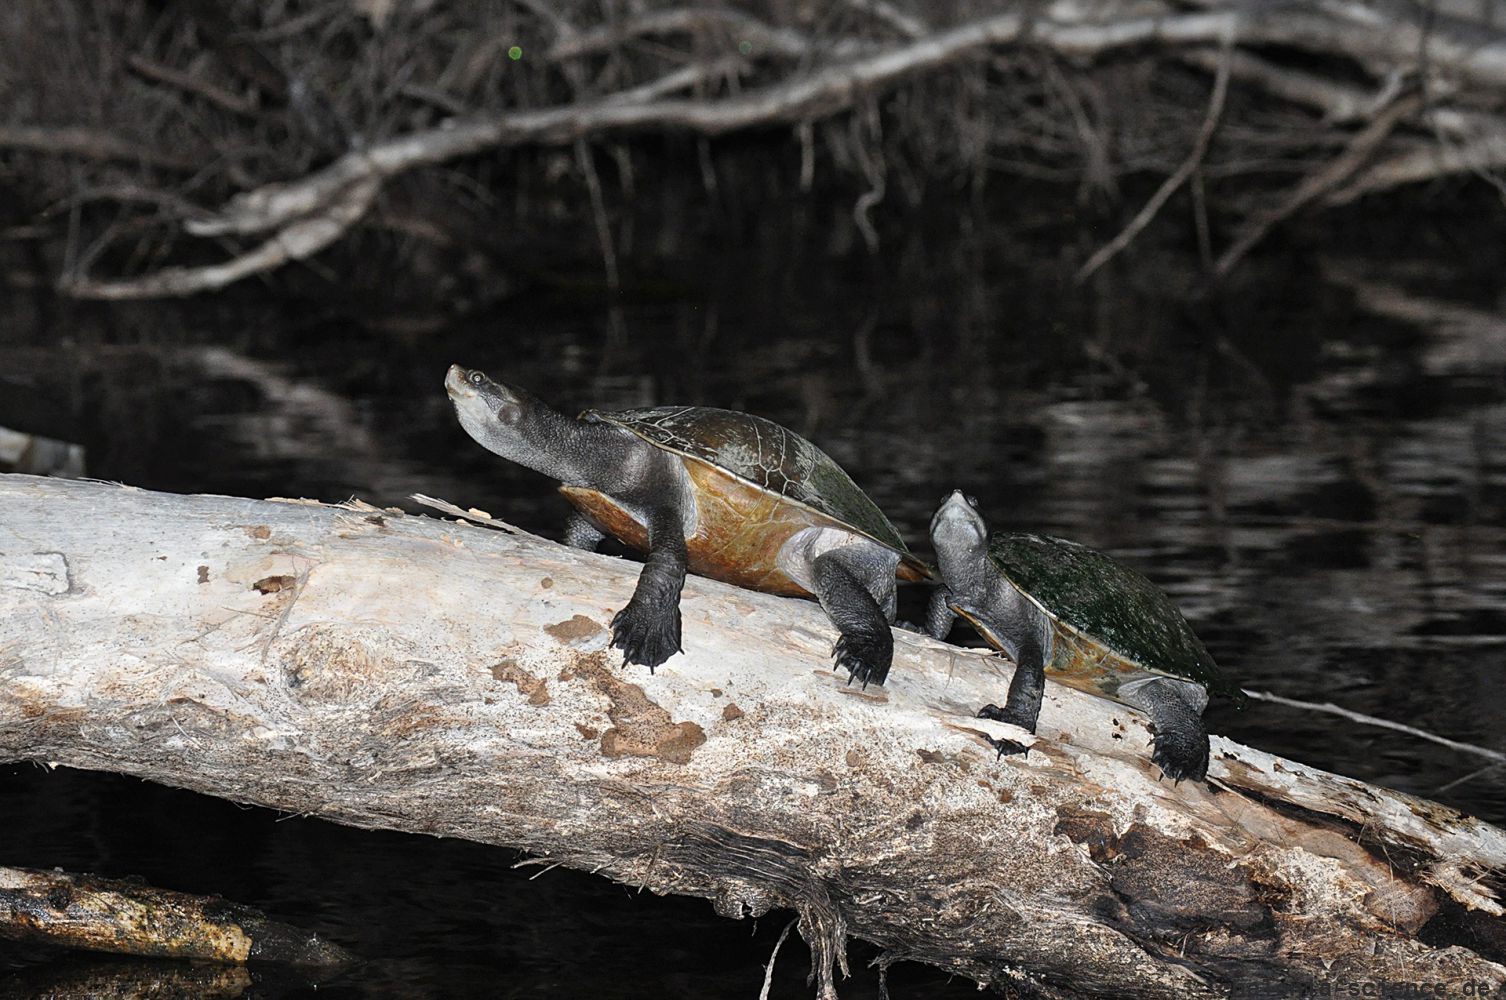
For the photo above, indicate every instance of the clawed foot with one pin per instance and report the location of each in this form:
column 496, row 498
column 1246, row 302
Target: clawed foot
column 646, row 634
column 867, row 661
column 1006, row 747
column 1180, row 758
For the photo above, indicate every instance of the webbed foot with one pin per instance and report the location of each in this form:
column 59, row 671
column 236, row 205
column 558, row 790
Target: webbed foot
column 1181, row 753
column 1007, row 747
column 866, row 658
column 1175, row 708
column 646, row 633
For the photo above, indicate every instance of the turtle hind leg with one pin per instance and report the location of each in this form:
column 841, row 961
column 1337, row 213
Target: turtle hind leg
column 647, row 629
column 1175, row 709
column 580, row 533
column 866, row 647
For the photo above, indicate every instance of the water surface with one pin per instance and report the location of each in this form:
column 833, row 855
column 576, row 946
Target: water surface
column 1312, row 464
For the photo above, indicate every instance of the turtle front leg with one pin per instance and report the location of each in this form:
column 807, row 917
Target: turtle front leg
column 939, row 613
column 647, row 630
column 580, row 533
column 1176, row 710
column 866, row 647
column 1018, row 633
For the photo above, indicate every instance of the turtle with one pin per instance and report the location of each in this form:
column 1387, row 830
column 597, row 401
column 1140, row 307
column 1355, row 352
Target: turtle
column 719, row 493
column 1095, row 623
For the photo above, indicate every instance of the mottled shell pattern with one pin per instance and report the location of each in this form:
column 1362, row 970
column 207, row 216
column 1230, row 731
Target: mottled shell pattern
column 762, row 453
column 1114, row 621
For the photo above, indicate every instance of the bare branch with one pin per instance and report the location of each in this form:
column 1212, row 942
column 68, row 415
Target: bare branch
column 1388, row 36
column 818, row 94
column 1484, row 151
column 1335, row 173
column 761, row 38
column 90, row 144
column 1169, row 187
column 881, row 10
column 299, row 239
column 301, row 209
column 188, row 83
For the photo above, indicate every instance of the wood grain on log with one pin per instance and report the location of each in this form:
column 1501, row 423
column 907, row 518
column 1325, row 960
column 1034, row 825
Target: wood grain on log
column 385, row 670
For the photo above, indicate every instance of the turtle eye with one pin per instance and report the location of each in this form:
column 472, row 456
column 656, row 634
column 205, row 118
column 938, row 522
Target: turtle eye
column 972, row 501
column 475, row 378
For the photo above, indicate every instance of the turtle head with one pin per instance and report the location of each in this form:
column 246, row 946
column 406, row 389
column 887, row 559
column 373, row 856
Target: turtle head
column 510, row 421
column 960, row 538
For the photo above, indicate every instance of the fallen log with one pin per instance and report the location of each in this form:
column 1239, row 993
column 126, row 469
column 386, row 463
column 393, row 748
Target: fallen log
column 132, row 918
column 402, row 672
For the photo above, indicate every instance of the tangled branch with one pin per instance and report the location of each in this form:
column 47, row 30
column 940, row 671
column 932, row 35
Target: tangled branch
column 712, row 71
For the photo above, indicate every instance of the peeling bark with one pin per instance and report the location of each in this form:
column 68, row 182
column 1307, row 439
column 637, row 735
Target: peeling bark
column 440, row 677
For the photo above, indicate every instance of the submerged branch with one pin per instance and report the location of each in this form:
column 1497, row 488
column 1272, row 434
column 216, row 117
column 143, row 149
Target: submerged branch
column 1371, row 720
column 131, row 918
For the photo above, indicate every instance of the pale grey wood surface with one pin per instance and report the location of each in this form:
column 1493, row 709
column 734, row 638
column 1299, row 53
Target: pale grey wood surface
column 403, row 672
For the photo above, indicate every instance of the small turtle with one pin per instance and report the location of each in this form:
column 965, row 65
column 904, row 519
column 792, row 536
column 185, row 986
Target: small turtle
column 1098, row 625
column 723, row 494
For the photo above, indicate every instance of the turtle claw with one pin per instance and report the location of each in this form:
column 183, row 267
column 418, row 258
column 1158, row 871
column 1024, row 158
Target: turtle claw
column 1179, row 765
column 864, row 662
column 1006, row 747
column 646, row 634
column 1180, row 759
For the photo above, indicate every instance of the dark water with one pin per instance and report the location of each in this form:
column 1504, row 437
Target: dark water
column 1313, row 464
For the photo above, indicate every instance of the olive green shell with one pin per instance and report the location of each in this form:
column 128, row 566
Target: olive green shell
column 762, row 453
column 1109, row 608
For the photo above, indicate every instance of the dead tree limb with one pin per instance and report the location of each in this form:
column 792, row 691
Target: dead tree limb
column 1359, row 151
column 833, row 75
column 299, row 239
column 803, row 73
column 819, row 93
column 88, row 143
column 131, row 918
column 391, row 671
column 759, row 36
column 188, row 83
column 1168, row 187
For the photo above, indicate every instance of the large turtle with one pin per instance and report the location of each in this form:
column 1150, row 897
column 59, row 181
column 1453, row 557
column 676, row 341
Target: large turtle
column 723, row 494
column 1098, row 625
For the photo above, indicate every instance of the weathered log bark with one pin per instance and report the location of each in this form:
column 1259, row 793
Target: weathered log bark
column 393, row 671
